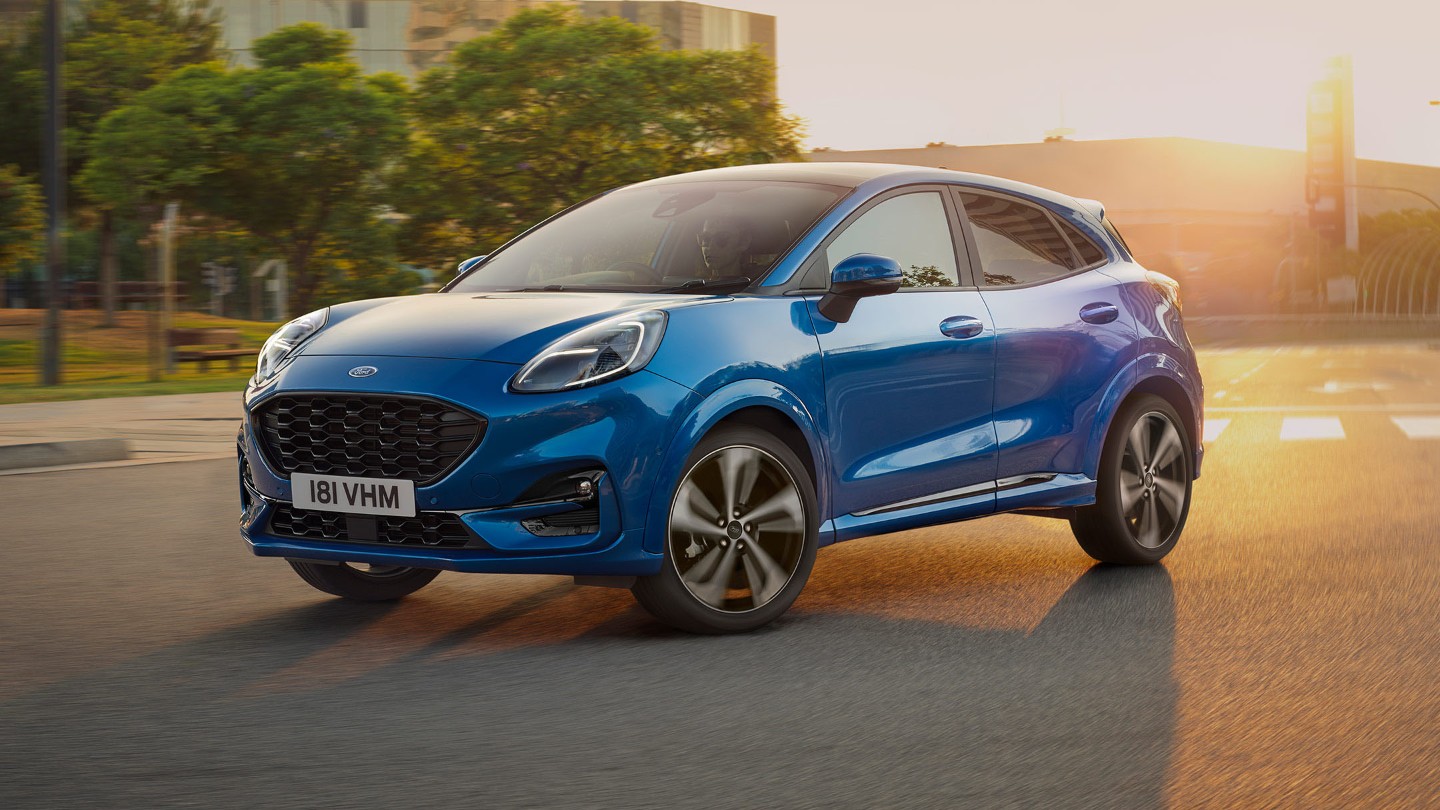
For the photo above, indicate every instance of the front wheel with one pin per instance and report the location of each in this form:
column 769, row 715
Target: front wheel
column 741, row 537
column 1142, row 495
column 364, row 583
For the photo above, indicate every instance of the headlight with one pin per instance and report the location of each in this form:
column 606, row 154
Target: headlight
column 604, row 351
column 285, row 340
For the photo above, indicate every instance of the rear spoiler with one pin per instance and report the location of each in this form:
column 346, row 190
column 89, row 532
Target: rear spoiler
column 1095, row 207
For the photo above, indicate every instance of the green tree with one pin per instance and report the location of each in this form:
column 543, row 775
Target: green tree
column 927, row 276
column 22, row 223
column 286, row 150
column 553, row 108
column 115, row 49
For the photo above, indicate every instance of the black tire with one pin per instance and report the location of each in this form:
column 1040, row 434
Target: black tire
column 358, row 585
column 779, row 543
column 1110, row 531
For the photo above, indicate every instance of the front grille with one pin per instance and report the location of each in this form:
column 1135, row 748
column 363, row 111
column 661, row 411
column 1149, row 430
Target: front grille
column 375, row 436
column 437, row 529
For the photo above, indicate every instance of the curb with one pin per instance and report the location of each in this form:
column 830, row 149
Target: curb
column 1221, row 330
column 56, row 453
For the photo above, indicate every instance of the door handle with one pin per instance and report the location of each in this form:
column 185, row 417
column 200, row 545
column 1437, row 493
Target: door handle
column 961, row 326
column 1101, row 312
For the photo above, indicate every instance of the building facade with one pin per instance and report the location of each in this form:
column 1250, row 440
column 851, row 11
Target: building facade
column 409, row 36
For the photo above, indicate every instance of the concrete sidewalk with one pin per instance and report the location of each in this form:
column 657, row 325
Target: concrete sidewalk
column 180, row 427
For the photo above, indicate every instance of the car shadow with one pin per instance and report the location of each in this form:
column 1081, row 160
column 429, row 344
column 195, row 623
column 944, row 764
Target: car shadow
column 563, row 696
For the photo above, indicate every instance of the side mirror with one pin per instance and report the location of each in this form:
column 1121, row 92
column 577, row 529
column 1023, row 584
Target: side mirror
column 469, row 263
column 859, row 276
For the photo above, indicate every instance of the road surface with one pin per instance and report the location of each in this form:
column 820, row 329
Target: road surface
column 1286, row 654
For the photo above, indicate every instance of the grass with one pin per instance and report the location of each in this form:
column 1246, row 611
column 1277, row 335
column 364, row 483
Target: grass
column 111, row 362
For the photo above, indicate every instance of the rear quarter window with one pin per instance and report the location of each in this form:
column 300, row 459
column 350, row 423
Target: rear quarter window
column 1090, row 253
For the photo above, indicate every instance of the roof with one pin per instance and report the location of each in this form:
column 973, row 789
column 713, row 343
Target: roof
column 875, row 177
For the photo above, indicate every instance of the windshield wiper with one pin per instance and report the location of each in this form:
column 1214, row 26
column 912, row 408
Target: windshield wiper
column 710, row 284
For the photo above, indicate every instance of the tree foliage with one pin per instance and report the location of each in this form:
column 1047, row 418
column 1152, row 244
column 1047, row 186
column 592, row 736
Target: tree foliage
column 303, row 44
column 284, row 150
column 114, row 50
column 303, row 151
column 927, row 276
column 553, row 108
column 22, row 220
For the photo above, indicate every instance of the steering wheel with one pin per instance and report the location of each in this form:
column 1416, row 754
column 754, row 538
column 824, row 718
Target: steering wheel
column 641, row 272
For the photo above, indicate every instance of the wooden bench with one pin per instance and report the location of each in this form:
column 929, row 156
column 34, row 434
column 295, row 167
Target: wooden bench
column 189, row 345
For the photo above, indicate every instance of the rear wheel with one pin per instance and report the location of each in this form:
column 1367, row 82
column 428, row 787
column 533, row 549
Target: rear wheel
column 1142, row 495
column 741, row 538
column 364, row 583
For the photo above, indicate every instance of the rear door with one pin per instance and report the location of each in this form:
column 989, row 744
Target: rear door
column 909, row 378
column 1061, row 334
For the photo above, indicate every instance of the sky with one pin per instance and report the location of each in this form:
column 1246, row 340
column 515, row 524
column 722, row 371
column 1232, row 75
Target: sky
column 873, row 74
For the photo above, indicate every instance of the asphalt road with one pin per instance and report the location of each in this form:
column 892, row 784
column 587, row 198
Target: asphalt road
column 1285, row 655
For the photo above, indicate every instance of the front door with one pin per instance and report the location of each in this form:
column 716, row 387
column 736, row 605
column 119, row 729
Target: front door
column 909, row 378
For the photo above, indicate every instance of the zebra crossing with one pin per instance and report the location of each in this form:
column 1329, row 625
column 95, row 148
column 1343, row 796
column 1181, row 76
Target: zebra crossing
column 1327, row 428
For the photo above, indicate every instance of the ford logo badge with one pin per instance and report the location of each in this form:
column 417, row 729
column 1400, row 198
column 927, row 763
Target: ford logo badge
column 363, row 371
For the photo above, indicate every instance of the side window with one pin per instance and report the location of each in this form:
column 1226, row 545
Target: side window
column 356, row 14
column 912, row 229
column 1017, row 242
column 1090, row 253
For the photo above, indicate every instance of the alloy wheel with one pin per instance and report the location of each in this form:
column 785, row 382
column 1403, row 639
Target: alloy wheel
column 737, row 529
column 1152, row 479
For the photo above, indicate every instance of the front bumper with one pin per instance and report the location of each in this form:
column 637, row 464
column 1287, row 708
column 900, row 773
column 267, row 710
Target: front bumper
column 615, row 433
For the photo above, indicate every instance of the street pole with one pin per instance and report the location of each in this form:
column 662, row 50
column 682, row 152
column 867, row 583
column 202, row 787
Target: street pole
column 282, row 292
column 54, row 192
column 167, row 281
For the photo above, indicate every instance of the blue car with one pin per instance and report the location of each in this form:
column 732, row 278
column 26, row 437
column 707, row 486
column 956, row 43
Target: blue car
column 687, row 386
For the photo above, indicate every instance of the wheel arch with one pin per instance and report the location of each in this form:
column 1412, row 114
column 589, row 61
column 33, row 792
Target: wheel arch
column 763, row 404
column 774, row 421
column 1161, row 375
column 1168, row 389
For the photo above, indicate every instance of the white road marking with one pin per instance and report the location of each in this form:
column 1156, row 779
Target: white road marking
column 1297, row 428
column 1214, row 427
column 1246, row 375
column 1398, row 407
column 1337, row 387
column 1418, row 427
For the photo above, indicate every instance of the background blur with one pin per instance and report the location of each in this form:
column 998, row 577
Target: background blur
column 233, row 164
column 1277, row 162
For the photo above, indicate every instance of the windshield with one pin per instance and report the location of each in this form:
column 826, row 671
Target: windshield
column 676, row 237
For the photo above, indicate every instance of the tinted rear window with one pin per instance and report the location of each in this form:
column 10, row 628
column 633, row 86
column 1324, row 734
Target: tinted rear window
column 1090, row 253
column 1018, row 243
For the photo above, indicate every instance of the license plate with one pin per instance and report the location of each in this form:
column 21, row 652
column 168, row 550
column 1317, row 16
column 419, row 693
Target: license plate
column 355, row 496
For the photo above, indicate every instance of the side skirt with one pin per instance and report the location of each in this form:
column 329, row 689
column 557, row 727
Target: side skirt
column 1041, row 494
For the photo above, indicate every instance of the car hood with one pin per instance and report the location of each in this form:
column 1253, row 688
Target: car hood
column 500, row 327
